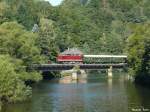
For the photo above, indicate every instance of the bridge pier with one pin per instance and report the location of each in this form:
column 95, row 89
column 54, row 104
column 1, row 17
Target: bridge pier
column 110, row 72
column 74, row 76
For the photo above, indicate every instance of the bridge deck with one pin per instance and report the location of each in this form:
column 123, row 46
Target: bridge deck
column 55, row 67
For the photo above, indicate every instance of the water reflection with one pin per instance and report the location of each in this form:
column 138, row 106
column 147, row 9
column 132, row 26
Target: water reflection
column 68, row 80
column 95, row 94
column 110, row 84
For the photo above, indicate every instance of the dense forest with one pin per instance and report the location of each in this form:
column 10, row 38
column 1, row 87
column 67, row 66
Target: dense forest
column 33, row 31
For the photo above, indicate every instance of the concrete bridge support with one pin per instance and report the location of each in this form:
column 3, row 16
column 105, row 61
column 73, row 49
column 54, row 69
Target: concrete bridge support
column 79, row 75
column 83, row 74
column 74, row 76
column 110, row 72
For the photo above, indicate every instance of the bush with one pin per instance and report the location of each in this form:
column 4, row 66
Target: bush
column 12, row 88
column 139, row 52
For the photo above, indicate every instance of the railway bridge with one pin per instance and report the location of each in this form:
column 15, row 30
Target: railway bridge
column 89, row 62
column 60, row 67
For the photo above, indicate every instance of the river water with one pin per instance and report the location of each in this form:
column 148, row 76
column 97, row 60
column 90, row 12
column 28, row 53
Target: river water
column 97, row 93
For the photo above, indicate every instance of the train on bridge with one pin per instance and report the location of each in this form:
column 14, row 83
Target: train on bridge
column 70, row 56
column 75, row 56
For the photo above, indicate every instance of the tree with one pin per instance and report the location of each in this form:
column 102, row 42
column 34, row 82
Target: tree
column 139, row 50
column 26, row 14
column 47, row 37
column 19, row 43
column 5, row 12
column 12, row 88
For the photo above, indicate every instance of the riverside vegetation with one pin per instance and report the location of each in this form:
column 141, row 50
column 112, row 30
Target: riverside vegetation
column 33, row 31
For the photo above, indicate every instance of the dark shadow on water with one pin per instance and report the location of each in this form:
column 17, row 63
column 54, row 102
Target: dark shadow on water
column 50, row 75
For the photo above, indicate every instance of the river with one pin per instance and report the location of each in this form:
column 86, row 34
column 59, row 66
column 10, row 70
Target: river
column 97, row 93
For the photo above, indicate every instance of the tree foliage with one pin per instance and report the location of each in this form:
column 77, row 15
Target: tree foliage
column 139, row 50
column 20, row 45
column 12, row 88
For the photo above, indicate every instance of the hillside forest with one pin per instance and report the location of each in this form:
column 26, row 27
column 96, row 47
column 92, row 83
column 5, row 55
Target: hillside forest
column 34, row 31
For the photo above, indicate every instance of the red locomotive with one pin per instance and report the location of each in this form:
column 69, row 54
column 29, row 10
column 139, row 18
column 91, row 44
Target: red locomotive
column 70, row 56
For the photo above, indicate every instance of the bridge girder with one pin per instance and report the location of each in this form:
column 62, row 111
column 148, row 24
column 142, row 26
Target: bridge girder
column 57, row 67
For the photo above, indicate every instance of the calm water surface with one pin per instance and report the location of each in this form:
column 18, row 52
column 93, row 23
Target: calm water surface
column 95, row 94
